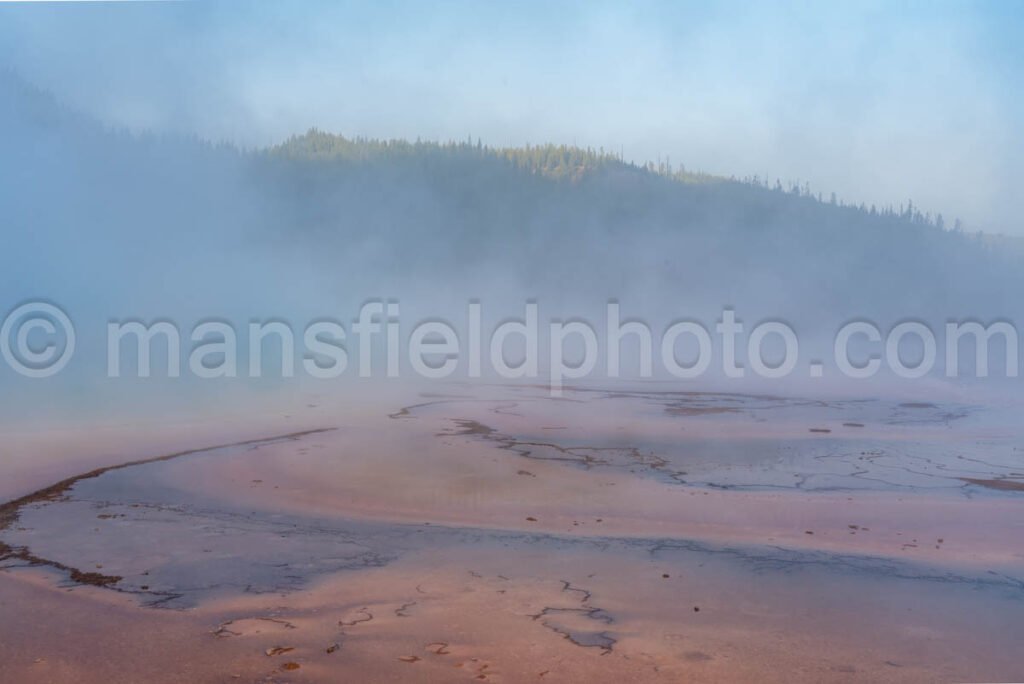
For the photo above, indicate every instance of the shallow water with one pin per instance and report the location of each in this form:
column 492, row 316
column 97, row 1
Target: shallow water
column 497, row 533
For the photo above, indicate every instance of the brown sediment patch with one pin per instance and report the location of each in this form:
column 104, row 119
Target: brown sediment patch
column 403, row 610
column 471, row 427
column 1002, row 485
column 10, row 511
column 77, row 576
column 696, row 656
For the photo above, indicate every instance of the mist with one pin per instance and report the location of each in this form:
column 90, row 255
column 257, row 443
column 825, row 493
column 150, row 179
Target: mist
column 120, row 226
column 851, row 100
column 585, row 342
column 251, row 165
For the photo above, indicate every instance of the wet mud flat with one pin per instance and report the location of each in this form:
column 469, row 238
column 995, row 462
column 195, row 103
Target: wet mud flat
column 502, row 535
column 746, row 441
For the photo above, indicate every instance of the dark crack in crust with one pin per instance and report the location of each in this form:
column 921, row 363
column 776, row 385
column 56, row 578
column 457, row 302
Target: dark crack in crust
column 581, row 455
column 558, row 620
column 363, row 614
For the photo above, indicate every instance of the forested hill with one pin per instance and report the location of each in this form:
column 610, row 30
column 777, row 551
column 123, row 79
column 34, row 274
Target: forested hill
column 564, row 219
column 556, row 162
column 381, row 218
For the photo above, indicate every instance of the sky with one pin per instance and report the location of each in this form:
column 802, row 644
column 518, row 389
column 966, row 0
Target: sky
column 877, row 102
